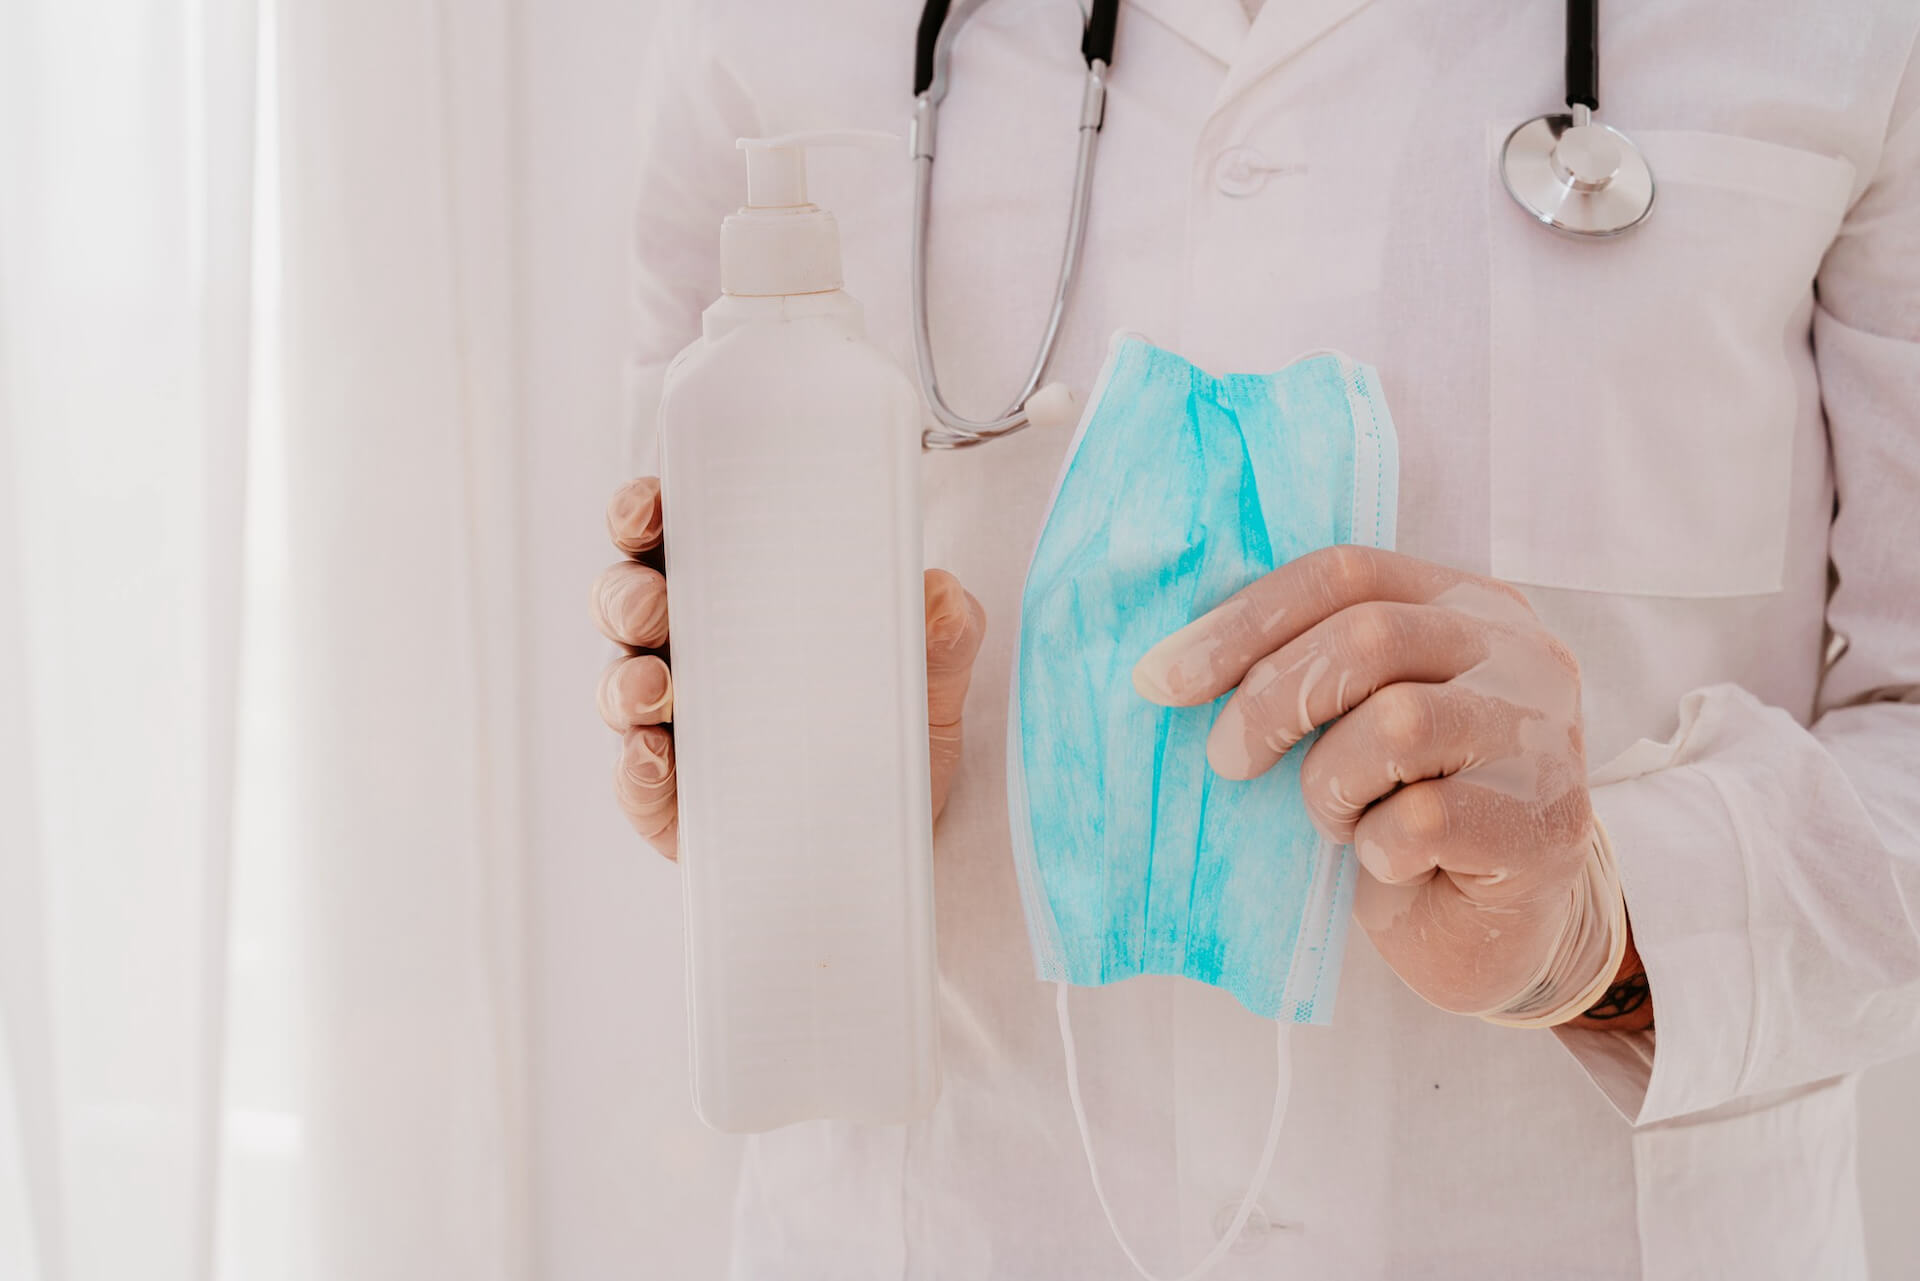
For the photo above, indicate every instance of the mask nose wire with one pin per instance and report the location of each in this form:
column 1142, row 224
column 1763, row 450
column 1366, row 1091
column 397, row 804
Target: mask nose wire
column 1283, row 1080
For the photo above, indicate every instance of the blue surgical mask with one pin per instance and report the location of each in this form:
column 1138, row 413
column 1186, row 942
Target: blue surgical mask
column 1180, row 488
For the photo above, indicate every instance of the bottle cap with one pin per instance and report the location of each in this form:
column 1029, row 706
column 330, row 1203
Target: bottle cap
column 779, row 243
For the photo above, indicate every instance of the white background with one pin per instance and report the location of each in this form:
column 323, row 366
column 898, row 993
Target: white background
column 626, row 1183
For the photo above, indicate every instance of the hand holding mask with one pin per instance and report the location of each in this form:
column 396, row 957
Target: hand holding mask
column 1453, row 763
column 1196, row 834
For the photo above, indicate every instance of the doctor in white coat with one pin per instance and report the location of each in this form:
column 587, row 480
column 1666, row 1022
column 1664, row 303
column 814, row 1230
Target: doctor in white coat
column 1694, row 449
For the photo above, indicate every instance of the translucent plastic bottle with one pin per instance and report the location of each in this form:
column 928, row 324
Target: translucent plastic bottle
column 789, row 469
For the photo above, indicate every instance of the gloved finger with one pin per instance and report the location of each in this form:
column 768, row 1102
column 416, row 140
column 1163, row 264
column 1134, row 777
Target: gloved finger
column 943, row 761
column 1402, row 733
column 666, row 842
column 629, row 604
column 1332, row 668
column 1446, row 948
column 643, row 782
column 1211, row 655
column 635, row 689
column 1381, row 908
column 956, row 624
column 1495, row 847
column 1401, row 840
column 633, row 515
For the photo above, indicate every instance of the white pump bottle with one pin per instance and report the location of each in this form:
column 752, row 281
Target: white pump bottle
column 789, row 471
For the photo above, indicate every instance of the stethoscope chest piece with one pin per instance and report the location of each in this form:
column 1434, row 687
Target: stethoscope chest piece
column 1585, row 179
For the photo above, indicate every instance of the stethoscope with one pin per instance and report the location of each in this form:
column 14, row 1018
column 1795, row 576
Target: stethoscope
column 1570, row 172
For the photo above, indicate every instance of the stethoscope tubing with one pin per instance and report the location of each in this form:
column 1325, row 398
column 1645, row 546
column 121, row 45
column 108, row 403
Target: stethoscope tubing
column 1540, row 195
column 956, row 431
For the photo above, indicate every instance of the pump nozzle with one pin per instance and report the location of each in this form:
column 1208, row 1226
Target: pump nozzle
column 777, row 167
column 779, row 243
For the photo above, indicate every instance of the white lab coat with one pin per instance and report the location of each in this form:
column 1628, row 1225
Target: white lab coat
column 1649, row 435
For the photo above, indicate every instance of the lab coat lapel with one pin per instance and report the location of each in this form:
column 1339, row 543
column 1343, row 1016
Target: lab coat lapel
column 1285, row 28
column 1216, row 27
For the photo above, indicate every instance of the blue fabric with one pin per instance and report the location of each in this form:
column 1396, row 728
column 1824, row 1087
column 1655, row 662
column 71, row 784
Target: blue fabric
column 1134, row 857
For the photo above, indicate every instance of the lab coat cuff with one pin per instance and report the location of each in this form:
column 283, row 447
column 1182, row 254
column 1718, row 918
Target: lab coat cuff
column 1685, row 882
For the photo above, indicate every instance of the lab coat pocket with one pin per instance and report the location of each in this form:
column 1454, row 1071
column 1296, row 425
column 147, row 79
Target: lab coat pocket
column 1702, row 1182
column 1643, row 389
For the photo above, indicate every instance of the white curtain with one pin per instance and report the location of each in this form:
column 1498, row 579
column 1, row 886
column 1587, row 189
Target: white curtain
column 261, row 956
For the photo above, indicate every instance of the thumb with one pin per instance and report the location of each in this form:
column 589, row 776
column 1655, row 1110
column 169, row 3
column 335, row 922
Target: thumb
column 956, row 624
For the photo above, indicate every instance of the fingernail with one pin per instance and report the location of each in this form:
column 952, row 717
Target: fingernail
column 661, row 708
column 945, row 628
column 1374, row 859
column 653, row 676
column 1227, row 750
column 651, row 766
column 628, row 506
column 1164, row 671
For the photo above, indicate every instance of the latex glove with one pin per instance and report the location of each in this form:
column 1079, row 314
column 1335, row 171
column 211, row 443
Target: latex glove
column 1452, row 760
column 629, row 603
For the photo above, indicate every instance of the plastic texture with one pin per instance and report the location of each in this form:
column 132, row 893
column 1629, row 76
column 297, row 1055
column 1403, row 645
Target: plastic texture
column 789, row 471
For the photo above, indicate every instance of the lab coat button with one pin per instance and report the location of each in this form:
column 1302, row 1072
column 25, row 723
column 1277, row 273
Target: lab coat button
column 1259, row 1227
column 1240, row 171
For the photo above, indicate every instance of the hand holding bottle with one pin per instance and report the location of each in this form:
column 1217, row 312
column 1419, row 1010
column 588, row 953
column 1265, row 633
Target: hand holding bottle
column 629, row 605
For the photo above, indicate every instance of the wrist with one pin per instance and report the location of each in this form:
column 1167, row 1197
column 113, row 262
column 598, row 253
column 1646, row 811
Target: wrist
column 1627, row 1004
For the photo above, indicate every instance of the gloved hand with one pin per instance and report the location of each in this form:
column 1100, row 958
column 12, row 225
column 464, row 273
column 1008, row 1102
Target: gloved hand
column 1455, row 767
column 629, row 605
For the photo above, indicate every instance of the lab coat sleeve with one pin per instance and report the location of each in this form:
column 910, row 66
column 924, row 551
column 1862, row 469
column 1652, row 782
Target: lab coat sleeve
column 690, row 177
column 1772, row 870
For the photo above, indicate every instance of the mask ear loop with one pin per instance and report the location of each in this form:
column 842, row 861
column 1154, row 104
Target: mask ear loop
column 1283, row 1079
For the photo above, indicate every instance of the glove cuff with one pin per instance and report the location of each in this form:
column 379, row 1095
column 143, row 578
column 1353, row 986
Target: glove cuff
column 1582, row 964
